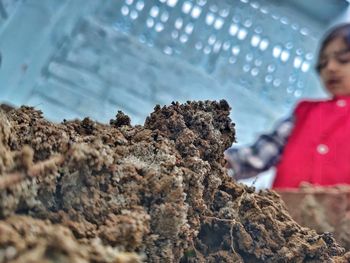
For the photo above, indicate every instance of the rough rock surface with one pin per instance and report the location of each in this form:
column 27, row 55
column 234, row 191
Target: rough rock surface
column 158, row 191
column 324, row 209
column 24, row 239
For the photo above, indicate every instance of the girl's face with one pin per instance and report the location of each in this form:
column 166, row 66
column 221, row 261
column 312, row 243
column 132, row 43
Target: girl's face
column 334, row 67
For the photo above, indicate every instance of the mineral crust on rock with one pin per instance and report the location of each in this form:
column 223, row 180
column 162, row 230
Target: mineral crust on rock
column 157, row 193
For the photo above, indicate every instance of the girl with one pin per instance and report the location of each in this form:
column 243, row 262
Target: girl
column 313, row 145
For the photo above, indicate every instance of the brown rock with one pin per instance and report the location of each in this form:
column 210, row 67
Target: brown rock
column 158, row 190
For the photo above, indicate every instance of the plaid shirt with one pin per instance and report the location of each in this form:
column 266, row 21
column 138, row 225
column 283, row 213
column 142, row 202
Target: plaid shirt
column 263, row 154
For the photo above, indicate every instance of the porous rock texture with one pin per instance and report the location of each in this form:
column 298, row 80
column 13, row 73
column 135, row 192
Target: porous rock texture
column 81, row 191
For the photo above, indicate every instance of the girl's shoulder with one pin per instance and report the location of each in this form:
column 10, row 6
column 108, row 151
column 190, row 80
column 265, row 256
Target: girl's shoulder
column 306, row 105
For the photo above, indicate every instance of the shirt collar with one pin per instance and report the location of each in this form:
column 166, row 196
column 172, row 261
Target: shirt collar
column 341, row 97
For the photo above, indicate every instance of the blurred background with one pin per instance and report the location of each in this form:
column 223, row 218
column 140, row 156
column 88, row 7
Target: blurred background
column 78, row 58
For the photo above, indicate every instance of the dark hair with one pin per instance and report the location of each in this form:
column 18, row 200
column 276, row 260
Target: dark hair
column 340, row 31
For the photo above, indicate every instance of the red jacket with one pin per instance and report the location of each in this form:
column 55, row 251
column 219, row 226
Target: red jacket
column 318, row 149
